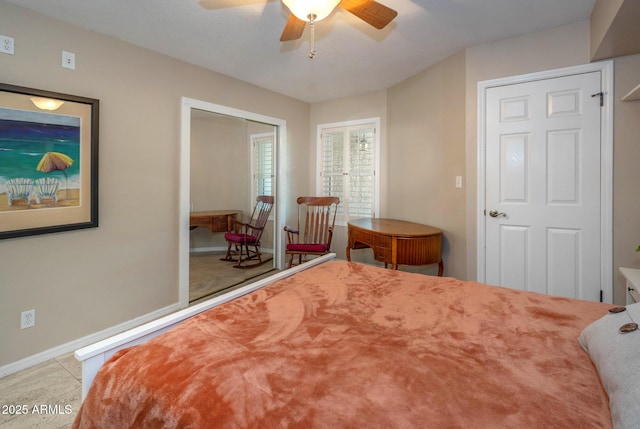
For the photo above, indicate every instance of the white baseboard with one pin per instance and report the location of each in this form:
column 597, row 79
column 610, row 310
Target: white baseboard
column 84, row 341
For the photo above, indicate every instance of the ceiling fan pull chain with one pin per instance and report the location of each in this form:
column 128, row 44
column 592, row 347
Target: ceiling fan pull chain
column 312, row 44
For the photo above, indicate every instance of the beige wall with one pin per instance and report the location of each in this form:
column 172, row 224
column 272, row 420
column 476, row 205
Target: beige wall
column 614, row 28
column 219, row 163
column 426, row 146
column 85, row 281
column 602, row 16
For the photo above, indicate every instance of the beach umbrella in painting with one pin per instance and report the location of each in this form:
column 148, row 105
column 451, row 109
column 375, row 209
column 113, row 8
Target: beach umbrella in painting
column 56, row 161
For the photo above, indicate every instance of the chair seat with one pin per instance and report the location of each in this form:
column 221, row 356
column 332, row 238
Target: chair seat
column 306, row 247
column 240, row 238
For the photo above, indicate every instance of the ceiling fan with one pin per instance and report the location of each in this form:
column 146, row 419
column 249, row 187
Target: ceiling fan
column 311, row 11
column 303, row 11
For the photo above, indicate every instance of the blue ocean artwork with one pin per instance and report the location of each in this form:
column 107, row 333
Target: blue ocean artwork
column 25, row 138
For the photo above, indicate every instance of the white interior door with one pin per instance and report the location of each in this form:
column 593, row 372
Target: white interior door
column 543, row 186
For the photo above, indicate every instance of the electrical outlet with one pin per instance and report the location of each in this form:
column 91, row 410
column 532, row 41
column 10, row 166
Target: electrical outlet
column 7, row 45
column 27, row 319
column 68, row 60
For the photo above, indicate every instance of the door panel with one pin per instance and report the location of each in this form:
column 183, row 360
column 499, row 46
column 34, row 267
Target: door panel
column 514, row 160
column 564, row 274
column 514, row 256
column 543, row 180
column 563, row 178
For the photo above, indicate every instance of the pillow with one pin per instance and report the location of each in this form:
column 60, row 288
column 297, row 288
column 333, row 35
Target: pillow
column 616, row 356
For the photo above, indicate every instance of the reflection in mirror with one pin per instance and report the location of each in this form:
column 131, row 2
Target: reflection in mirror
column 231, row 162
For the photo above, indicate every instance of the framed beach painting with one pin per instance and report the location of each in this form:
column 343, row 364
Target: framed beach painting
column 48, row 162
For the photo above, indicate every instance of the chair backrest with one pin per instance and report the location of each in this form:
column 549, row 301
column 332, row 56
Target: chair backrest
column 316, row 218
column 20, row 186
column 261, row 212
column 47, row 185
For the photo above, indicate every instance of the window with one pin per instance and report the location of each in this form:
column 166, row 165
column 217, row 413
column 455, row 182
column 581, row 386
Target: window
column 347, row 164
column 262, row 177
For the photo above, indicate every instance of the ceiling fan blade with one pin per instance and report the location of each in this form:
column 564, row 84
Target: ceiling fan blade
column 293, row 28
column 370, row 11
column 222, row 4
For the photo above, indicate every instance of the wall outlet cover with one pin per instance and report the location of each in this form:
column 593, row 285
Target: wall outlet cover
column 7, row 45
column 68, row 60
column 27, row 319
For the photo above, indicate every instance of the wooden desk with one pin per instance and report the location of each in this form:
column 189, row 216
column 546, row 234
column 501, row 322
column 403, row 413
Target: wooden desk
column 397, row 242
column 217, row 220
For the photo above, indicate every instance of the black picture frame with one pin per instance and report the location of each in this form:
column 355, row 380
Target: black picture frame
column 48, row 162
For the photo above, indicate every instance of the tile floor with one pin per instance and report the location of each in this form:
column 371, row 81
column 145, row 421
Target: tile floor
column 44, row 396
column 209, row 275
column 48, row 395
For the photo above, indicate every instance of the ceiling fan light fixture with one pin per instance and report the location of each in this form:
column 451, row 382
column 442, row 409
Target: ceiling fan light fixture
column 308, row 9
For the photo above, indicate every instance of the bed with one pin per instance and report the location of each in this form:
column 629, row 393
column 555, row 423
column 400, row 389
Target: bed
column 346, row 345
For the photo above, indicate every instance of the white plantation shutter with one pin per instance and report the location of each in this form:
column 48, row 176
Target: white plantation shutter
column 347, row 169
column 332, row 174
column 361, row 172
column 262, row 165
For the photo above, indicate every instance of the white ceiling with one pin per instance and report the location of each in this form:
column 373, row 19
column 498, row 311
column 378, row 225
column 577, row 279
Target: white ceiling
column 352, row 57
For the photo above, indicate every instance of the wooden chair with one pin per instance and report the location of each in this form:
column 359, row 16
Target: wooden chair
column 247, row 235
column 316, row 217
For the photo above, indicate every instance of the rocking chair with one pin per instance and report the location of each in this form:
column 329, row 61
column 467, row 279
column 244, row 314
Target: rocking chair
column 319, row 217
column 246, row 235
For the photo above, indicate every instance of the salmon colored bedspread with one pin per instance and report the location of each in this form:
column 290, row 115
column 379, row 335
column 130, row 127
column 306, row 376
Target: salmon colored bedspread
column 344, row 345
